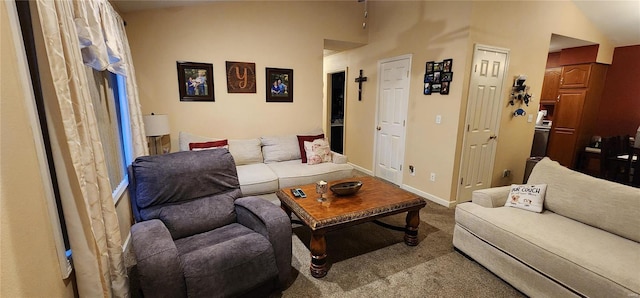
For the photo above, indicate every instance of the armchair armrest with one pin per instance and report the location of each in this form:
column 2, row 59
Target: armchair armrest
column 269, row 220
column 491, row 197
column 338, row 158
column 157, row 260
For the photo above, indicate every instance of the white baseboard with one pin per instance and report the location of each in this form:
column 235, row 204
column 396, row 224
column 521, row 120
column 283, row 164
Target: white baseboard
column 361, row 169
column 430, row 197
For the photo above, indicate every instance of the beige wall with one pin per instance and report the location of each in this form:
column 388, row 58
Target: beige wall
column 270, row 34
column 29, row 265
column 527, row 34
column 428, row 31
column 436, row 30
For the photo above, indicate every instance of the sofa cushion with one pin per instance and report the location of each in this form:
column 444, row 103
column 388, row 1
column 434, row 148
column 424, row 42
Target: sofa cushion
column 317, row 151
column 592, row 261
column 184, row 138
column 283, row 148
column 607, row 205
column 246, row 151
column 257, row 178
column 294, row 172
column 233, row 257
column 527, row 197
column 306, row 138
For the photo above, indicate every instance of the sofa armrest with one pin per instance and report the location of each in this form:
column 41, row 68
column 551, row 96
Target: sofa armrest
column 491, row 197
column 269, row 220
column 338, row 158
column 157, row 260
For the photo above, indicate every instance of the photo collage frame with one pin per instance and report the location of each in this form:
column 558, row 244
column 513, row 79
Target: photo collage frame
column 438, row 77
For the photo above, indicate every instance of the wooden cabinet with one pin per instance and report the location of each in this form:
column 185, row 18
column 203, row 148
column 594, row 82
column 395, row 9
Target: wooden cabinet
column 576, row 111
column 575, row 76
column 550, row 85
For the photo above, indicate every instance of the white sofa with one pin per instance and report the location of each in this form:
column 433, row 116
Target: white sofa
column 269, row 163
column 586, row 242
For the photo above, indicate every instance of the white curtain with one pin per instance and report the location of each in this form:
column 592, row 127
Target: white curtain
column 90, row 31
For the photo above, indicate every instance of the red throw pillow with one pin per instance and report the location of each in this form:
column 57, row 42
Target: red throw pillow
column 208, row 145
column 302, row 139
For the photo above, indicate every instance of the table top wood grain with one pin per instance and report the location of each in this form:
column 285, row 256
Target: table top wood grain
column 377, row 198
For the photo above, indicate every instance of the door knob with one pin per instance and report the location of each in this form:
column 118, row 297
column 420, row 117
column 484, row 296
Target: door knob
column 378, row 128
column 493, row 137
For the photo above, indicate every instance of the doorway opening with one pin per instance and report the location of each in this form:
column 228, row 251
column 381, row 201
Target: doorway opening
column 337, row 112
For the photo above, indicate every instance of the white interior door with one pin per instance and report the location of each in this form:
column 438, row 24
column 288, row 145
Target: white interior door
column 483, row 119
column 393, row 96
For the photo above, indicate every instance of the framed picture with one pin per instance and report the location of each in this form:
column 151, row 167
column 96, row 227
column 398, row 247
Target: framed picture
column 446, row 77
column 430, row 66
column 241, row 77
column 447, row 64
column 437, row 76
column 427, row 85
column 436, row 88
column 195, row 81
column 437, row 66
column 279, row 85
column 444, row 89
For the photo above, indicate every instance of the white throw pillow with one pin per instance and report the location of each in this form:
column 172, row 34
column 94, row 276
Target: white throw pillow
column 282, row 148
column 527, row 197
column 246, row 151
column 317, row 151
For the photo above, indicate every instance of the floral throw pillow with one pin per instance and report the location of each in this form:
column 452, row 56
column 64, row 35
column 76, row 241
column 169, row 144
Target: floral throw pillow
column 527, row 197
column 317, row 151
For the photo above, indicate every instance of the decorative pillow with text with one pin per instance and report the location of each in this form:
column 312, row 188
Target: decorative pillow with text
column 527, row 197
column 208, row 145
column 318, row 151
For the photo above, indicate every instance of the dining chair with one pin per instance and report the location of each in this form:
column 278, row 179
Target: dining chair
column 614, row 165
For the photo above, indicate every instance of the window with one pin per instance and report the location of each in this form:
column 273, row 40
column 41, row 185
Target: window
column 108, row 93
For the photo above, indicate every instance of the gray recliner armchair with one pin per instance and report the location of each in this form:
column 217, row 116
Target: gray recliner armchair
column 197, row 236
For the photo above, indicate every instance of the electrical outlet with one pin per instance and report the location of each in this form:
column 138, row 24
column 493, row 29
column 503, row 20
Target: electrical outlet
column 412, row 170
column 506, row 173
column 433, row 177
column 438, row 119
column 530, row 118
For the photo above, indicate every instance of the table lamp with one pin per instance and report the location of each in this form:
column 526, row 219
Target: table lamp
column 156, row 127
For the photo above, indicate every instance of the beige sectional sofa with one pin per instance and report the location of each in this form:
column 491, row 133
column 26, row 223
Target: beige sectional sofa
column 586, row 242
column 269, row 163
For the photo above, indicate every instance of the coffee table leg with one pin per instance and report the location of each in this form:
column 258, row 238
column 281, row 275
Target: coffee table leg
column 318, row 255
column 411, row 230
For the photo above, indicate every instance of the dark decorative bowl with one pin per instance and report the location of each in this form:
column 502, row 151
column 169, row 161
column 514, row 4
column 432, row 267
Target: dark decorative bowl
column 346, row 188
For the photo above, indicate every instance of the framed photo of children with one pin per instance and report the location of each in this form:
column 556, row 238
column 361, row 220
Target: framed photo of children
column 279, row 85
column 195, row 81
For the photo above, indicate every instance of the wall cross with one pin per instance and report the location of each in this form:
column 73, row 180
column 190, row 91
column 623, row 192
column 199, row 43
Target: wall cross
column 360, row 80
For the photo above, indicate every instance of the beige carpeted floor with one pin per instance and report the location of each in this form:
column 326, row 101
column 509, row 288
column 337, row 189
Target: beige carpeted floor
column 370, row 260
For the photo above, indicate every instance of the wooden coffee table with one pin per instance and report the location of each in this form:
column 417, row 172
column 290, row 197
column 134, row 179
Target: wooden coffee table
column 376, row 199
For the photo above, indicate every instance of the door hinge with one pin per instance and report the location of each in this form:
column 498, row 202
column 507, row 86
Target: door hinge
column 404, row 122
column 407, row 73
column 461, row 179
column 401, row 168
column 468, row 127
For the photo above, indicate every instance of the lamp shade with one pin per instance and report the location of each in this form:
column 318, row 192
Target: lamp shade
column 156, row 125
